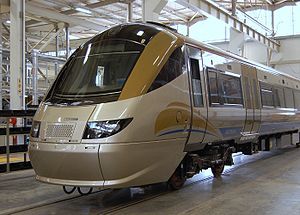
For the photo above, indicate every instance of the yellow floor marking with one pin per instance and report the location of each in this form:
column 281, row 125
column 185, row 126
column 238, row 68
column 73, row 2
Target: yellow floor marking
column 11, row 159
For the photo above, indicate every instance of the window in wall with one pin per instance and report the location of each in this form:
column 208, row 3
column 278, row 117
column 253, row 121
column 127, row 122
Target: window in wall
column 171, row 70
column 196, row 83
column 230, row 89
column 266, row 95
column 289, row 98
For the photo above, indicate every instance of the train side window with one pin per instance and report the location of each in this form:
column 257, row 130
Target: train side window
column 278, row 97
column 171, row 70
column 289, row 98
column 230, row 89
column 213, row 87
column 266, row 95
column 297, row 98
column 196, row 83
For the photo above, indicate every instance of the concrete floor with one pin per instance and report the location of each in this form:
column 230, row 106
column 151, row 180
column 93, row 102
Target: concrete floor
column 266, row 183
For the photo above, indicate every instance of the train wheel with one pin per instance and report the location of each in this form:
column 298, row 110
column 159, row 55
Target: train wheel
column 83, row 191
column 217, row 170
column 176, row 181
column 68, row 190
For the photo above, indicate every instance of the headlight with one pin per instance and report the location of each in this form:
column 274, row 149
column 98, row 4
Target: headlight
column 35, row 129
column 96, row 130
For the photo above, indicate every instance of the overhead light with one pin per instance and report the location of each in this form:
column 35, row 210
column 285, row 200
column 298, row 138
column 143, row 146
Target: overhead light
column 83, row 10
column 7, row 21
column 140, row 33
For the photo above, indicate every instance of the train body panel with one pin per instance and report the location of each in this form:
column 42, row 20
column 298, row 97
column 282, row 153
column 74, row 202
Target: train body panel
column 72, row 164
column 134, row 164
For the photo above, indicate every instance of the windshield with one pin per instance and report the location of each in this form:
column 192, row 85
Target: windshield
column 97, row 69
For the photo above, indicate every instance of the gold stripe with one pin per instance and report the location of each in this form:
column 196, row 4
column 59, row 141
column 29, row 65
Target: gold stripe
column 179, row 104
column 149, row 64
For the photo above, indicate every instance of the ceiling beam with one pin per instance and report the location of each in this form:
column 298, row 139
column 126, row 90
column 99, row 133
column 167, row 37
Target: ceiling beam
column 209, row 8
column 72, row 21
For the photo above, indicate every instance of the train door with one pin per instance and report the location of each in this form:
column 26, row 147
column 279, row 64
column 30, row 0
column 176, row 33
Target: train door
column 198, row 101
column 252, row 101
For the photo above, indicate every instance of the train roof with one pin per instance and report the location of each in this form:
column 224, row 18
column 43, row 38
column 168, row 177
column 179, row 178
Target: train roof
column 128, row 30
column 218, row 50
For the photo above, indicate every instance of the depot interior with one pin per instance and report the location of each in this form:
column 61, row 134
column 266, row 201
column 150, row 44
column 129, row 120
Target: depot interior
column 38, row 36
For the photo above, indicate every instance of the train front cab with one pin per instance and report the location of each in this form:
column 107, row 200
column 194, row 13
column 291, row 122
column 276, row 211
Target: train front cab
column 136, row 135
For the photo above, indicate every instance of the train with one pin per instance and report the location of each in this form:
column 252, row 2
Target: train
column 140, row 104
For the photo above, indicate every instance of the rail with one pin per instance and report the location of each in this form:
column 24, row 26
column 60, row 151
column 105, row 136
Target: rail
column 19, row 130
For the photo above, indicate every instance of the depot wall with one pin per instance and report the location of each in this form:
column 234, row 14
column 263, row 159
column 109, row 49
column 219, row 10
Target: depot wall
column 287, row 60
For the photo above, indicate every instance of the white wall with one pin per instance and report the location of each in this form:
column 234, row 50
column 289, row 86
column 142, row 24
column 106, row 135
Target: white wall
column 287, row 60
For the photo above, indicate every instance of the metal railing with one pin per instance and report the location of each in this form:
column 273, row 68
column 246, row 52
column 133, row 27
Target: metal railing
column 19, row 130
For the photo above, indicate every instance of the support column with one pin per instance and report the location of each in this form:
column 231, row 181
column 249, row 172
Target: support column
column 34, row 77
column 273, row 23
column 236, row 42
column 17, row 54
column 56, row 51
column 1, row 50
column 269, row 56
column 233, row 6
column 152, row 8
column 67, row 41
column 129, row 12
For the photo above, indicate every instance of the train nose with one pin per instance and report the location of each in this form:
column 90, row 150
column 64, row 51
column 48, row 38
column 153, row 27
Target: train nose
column 57, row 155
column 66, row 164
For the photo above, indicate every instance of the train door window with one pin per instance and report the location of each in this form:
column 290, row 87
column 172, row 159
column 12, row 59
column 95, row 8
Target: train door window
column 266, row 95
column 256, row 95
column 297, row 99
column 248, row 103
column 230, row 89
column 171, row 70
column 289, row 98
column 278, row 97
column 213, row 87
column 196, row 83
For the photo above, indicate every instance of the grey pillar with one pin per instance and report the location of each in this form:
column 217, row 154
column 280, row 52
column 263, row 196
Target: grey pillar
column 233, row 7
column 56, row 51
column 17, row 54
column 273, row 23
column 34, row 77
column 67, row 41
column 1, row 76
column 151, row 9
column 129, row 12
column 187, row 29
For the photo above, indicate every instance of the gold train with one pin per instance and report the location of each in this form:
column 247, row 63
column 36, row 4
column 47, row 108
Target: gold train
column 140, row 104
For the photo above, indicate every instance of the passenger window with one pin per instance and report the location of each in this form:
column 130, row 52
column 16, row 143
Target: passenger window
column 196, row 83
column 230, row 89
column 278, row 97
column 213, row 87
column 297, row 99
column 266, row 95
column 289, row 98
column 223, row 88
column 171, row 70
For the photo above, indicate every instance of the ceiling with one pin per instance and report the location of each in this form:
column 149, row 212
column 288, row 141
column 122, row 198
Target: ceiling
column 87, row 17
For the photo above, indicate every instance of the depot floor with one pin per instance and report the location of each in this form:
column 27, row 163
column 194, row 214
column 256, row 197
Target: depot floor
column 265, row 183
